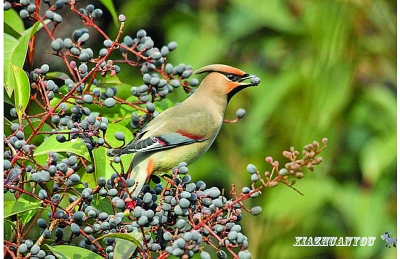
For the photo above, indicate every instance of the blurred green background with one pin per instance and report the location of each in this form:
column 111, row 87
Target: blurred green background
column 327, row 69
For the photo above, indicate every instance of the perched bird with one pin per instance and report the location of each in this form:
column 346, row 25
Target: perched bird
column 186, row 131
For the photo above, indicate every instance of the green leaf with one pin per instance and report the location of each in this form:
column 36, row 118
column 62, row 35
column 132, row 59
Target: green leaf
column 110, row 7
column 100, row 161
column 15, row 54
column 8, row 229
column 109, row 81
column 16, row 207
column 75, row 146
column 12, row 20
column 124, row 249
column 376, row 156
column 9, row 45
column 22, row 90
column 126, row 243
column 19, row 55
column 112, row 129
column 69, row 252
column 25, row 209
column 102, row 164
column 57, row 75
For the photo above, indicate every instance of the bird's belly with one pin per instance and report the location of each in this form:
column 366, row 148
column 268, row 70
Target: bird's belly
column 168, row 159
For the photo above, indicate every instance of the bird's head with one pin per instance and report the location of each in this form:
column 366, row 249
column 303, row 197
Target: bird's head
column 226, row 79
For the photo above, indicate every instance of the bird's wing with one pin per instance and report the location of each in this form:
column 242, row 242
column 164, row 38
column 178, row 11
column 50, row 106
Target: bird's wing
column 168, row 132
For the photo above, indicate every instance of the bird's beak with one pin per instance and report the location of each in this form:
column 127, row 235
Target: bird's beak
column 254, row 80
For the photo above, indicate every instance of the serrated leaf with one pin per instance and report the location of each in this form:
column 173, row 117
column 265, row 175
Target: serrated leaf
column 22, row 90
column 75, row 146
column 70, row 252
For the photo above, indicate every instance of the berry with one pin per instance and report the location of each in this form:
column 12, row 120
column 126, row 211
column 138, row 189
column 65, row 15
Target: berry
column 172, row 45
column 23, row 248
column 240, row 113
column 44, row 69
column 256, row 210
column 55, row 45
column 56, row 198
column 244, row 254
column 109, row 102
column 255, row 80
column 23, row 14
column 88, row 98
column 107, row 43
column 41, row 223
column 121, row 18
column 75, row 228
column 31, row 8
column 97, row 13
column 119, row 136
column 84, row 57
column 35, row 249
column 251, row 169
column 42, row 194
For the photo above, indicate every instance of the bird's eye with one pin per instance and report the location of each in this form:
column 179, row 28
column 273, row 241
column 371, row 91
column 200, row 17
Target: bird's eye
column 231, row 77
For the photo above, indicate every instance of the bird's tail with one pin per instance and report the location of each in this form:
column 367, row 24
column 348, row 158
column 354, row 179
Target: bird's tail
column 142, row 168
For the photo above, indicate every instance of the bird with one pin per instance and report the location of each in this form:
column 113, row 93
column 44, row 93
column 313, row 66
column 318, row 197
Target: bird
column 184, row 132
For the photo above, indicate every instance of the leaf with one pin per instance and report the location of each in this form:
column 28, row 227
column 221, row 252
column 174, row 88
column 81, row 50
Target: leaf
column 112, row 129
column 69, row 252
column 23, row 208
column 57, row 75
column 8, row 229
column 110, row 7
column 12, row 19
column 126, row 243
column 75, row 146
column 19, row 54
column 9, row 45
column 376, row 156
column 16, row 207
column 124, row 249
column 15, row 54
column 100, row 161
column 109, row 81
column 22, row 90
column 102, row 164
